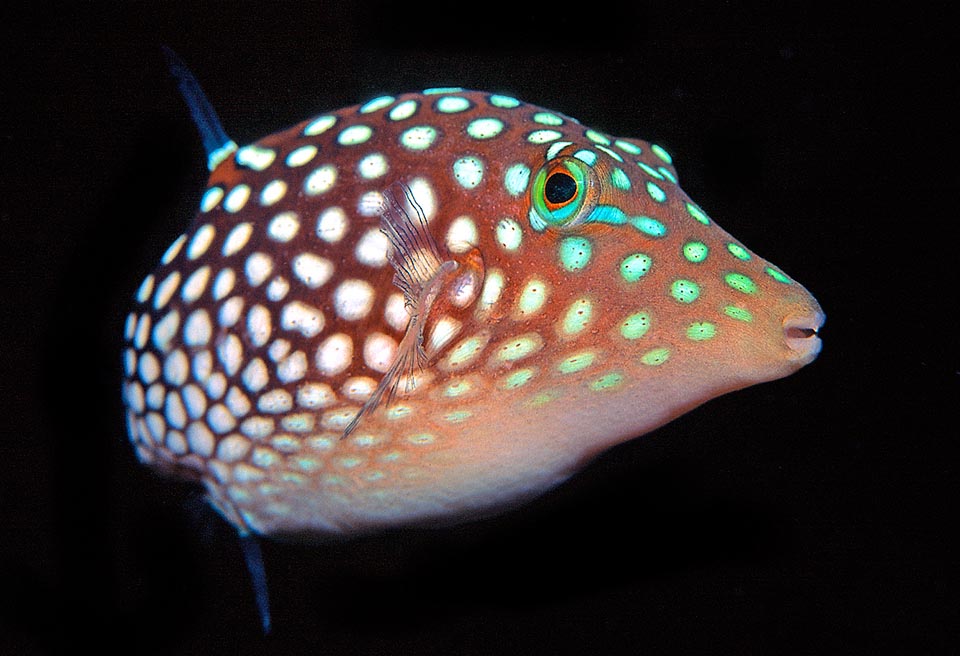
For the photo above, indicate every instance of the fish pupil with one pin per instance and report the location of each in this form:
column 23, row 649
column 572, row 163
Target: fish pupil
column 560, row 188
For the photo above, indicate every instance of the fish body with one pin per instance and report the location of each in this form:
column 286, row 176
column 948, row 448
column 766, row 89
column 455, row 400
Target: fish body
column 434, row 305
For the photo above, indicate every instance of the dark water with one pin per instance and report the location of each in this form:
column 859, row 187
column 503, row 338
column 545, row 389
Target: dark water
column 805, row 516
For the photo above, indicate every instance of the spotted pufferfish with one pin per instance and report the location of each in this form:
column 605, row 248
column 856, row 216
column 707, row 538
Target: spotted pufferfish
column 433, row 305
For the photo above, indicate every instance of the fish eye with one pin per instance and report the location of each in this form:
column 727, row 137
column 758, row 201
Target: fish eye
column 563, row 194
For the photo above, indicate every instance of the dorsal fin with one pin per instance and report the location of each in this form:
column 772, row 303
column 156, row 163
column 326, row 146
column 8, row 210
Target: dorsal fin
column 420, row 272
column 216, row 143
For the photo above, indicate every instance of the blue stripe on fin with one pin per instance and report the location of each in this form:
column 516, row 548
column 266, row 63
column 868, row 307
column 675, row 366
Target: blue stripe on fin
column 215, row 141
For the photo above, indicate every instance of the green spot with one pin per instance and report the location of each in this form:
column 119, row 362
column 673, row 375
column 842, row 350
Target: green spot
column 636, row 325
column 520, row 347
column 505, row 102
column 649, row 226
column 695, row 251
column 436, row 90
column 575, row 253
column 607, row 382
column 543, row 136
column 596, row 137
column 457, row 416
column 612, row 153
column 655, row 357
column 556, row 147
column 485, row 128
column 578, row 316
column 516, row 178
column 656, row 193
column 685, row 291
column 698, row 214
column 466, row 351
column 628, row 147
column 741, row 283
column 349, row 462
column 576, row 362
column 468, row 172
column 375, row 104
column 509, row 234
column 619, row 179
column 661, row 153
column 533, row 296
column 588, row 157
column 546, row 118
column 776, row 275
column 420, row 438
column 607, row 214
column 543, row 398
column 738, row 251
column 701, row 330
column 649, row 170
column 667, row 174
column 355, row 134
column 738, row 313
column 420, row 137
column 458, row 388
column 635, row 266
column 398, row 411
column 319, row 125
column 518, row 378
column 406, row 109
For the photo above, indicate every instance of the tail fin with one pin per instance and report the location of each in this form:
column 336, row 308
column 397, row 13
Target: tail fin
column 215, row 141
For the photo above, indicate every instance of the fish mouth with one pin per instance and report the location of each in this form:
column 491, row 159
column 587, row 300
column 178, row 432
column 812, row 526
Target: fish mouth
column 801, row 335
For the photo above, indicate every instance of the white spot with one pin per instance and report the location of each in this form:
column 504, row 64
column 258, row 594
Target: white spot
column 301, row 155
column 173, row 250
column 195, row 400
column 156, row 426
column 197, row 328
column 165, row 330
column 275, row 401
column 176, row 443
column 130, row 326
column 220, row 419
column 257, row 158
column 312, row 270
column 230, row 352
column 509, row 234
column 257, row 428
column 319, row 125
column 278, row 350
column 210, row 198
column 142, row 333
column 237, row 402
column 200, row 439
column 395, row 312
column 485, row 128
column 283, row 227
column 134, row 396
column 258, row 325
column 332, row 224
column 146, row 287
column 468, row 172
column 359, row 388
column 353, row 299
column 462, row 235
column 419, row 137
column 372, row 166
column 237, row 238
column 371, row 204
column 223, row 283
column 237, row 198
column 149, row 368
column 155, row 395
column 334, row 354
column 372, row 248
column 201, row 241
column 216, row 385
column 258, row 268
column 379, row 351
column 422, row 191
column 175, row 412
column 315, row 395
column 321, row 180
column 377, row 103
column 272, row 192
column 305, row 319
column 202, row 365
column 353, row 135
column 176, row 368
column 492, row 288
column 293, row 367
column 129, row 362
column 232, row 448
column 404, row 110
column 277, row 289
column 166, row 289
column 255, row 376
column 230, row 312
column 445, row 330
column 195, row 284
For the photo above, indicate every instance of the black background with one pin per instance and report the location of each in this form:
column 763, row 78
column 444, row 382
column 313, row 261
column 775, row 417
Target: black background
column 807, row 516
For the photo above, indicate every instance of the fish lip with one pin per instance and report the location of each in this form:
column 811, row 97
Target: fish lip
column 800, row 333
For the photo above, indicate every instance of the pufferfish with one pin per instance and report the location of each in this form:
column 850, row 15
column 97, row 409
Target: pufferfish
column 434, row 305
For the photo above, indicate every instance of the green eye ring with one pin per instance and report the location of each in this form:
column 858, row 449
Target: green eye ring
column 563, row 194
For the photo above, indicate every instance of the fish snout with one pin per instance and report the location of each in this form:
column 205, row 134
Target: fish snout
column 801, row 335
